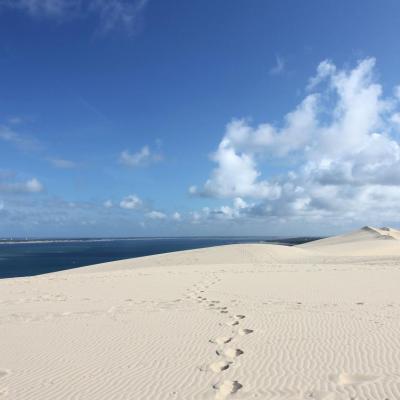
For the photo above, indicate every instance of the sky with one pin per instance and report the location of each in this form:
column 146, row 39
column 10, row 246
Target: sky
column 188, row 118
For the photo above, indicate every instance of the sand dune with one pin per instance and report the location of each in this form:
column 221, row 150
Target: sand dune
column 316, row 321
column 367, row 241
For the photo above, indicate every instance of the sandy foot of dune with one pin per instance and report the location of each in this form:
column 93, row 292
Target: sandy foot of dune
column 235, row 322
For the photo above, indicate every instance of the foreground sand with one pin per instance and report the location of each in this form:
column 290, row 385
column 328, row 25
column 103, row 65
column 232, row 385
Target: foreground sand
column 317, row 321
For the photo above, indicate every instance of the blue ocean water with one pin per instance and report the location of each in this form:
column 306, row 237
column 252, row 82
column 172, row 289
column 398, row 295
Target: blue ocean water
column 34, row 257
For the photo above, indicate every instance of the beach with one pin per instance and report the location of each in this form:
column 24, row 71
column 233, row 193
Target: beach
column 245, row 321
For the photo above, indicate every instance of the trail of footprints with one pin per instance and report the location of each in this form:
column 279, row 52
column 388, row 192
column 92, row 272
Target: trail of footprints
column 226, row 350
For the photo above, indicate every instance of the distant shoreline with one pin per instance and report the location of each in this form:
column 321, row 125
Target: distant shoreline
column 19, row 257
column 274, row 239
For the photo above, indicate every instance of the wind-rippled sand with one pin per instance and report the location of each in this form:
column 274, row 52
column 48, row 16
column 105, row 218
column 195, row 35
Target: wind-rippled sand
column 255, row 321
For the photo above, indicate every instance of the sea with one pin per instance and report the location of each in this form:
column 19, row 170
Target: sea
column 28, row 257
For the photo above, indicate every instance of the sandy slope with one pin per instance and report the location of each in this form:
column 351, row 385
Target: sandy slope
column 367, row 241
column 316, row 321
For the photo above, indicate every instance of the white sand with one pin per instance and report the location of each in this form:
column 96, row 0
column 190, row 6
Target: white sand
column 316, row 321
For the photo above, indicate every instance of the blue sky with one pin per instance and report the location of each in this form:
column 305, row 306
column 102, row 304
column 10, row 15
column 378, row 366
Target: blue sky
column 123, row 118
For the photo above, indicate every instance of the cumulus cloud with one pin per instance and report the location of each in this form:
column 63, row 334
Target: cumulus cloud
column 338, row 141
column 112, row 14
column 236, row 174
column 131, row 202
column 108, row 204
column 30, row 186
column 395, row 118
column 176, row 216
column 228, row 212
column 324, row 70
column 33, row 186
column 156, row 215
column 141, row 158
column 238, row 208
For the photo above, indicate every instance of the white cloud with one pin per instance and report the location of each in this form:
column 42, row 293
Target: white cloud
column 112, row 14
column 142, row 158
column 30, row 186
column 395, row 118
column 108, row 204
column 176, row 216
column 238, row 209
column 338, row 141
column 279, row 66
column 236, row 174
column 33, row 186
column 228, row 212
column 131, row 202
column 156, row 215
column 324, row 70
column 193, row 190
column 61, row 163
column 195, row 217
column 298, row 128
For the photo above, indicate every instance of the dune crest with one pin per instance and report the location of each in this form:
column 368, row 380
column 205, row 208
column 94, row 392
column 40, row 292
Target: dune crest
column 384, row 232
column 367, row 241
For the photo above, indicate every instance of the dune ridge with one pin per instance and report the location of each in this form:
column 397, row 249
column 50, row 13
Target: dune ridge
column 314, row 321
column 367, row 241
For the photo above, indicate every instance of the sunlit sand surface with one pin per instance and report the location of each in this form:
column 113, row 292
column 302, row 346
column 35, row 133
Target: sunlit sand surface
column 255, row 321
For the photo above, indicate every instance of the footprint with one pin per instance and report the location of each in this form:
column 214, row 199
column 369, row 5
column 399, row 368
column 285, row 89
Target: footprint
column 232, row 323
column 219, row 366
column 3, row 373
column 221, row 340
column 239, row 316
column 243, row 332
column 230, row 352
column 320, row 395
column 224, row 312
column 344, row 379
column 226, row 388
column 66, row 313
